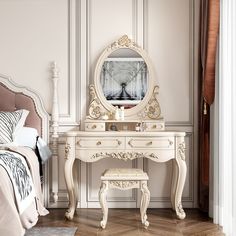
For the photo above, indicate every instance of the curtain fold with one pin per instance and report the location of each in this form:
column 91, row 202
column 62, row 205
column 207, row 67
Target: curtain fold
column 224, row 197
column 209, row 17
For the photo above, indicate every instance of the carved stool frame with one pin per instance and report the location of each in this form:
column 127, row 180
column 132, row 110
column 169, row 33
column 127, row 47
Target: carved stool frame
column 122, row 184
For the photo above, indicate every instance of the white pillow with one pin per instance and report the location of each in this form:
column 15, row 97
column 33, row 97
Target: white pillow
column 10, row 124
column 26, row 137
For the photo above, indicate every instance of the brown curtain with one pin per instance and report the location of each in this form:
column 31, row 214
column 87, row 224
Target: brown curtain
column 209, row 28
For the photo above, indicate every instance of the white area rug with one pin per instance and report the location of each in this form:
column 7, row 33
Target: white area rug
column 51, row 231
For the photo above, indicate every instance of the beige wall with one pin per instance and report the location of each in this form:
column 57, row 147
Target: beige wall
column 73, row 33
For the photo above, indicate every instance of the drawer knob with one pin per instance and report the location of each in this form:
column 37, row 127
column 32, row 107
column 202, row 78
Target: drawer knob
column 119, row 142
column 99, row 143
column 149, row 143
column 170, row 142
column 154, row 126
column 94, row 127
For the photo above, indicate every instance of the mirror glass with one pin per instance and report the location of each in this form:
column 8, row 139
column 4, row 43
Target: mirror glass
column 124, row 78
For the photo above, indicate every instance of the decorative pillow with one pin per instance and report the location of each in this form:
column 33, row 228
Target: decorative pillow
column 10, row 124
column 26, row 137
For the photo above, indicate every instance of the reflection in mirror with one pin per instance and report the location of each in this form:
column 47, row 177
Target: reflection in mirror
column 124, row 78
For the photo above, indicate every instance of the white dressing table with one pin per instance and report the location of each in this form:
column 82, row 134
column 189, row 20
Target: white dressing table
column 156, row 146
column 98, row 141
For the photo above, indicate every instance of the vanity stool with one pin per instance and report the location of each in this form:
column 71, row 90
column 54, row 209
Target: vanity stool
column 124, row 179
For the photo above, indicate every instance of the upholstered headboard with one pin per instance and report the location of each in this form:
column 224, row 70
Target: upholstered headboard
column 14, row 97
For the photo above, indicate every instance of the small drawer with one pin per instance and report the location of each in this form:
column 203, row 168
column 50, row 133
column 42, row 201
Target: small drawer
column 99, row 143
column 154, row 126
column 93, row 126
column 157, row 143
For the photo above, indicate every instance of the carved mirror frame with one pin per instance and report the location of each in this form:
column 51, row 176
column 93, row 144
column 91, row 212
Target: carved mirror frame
column 148, row 108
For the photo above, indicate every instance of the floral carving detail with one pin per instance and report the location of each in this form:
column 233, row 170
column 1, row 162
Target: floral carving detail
column 181, row 150
column 95, row 106
column 123, row 184
column 123, row 42
column 152, row 109
column 123, row 155
column 180, row 209
column 67, row 150
column 152, row 155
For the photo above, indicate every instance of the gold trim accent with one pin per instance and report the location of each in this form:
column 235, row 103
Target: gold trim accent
column 181, row 150
column 119, row 142
column 123, row 184
column 130, row 143
column 152, row 110
column 67, row 150
column 124, row 155
column 180, row 209
column 96, row 109
column 124, row 41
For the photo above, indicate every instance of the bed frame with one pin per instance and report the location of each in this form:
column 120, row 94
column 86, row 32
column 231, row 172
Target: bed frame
column 14, row 96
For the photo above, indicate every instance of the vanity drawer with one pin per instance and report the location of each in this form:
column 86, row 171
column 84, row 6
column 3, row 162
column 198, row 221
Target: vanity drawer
column 95, row 126
column 157, row 143
column 100, row 143
column 154, row 126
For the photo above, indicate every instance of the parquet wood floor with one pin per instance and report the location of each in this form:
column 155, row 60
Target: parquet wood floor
column 126, row 222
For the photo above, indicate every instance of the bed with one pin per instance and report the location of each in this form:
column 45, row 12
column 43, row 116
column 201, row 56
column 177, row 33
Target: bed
column 15, row 217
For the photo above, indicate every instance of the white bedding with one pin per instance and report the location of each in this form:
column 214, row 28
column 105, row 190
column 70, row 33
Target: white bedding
column 17, row 169
column 11, row 222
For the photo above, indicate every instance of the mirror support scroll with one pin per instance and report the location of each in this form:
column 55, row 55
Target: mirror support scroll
column 153, row 109
column 95, row 107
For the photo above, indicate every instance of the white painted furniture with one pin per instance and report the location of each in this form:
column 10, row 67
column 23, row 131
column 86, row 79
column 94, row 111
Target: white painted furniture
column 156, row 146
column 99, row 140
column 124, row 179
column 54, row 130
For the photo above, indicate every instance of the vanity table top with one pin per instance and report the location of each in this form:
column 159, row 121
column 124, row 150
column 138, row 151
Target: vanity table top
column 125, row 133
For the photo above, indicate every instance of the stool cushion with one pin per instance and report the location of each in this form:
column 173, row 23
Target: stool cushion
column 124, row 174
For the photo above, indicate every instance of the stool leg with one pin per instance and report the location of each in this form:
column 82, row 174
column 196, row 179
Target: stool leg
column 145, row 198
column 103, row 203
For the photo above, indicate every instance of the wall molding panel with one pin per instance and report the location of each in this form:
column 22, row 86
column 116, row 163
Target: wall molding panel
column 193, row 74
column 70, row 119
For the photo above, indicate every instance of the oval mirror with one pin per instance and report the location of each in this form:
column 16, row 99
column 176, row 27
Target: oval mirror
column 124, row 77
